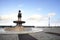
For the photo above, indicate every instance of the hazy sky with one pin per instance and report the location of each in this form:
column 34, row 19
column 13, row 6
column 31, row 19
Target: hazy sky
column 36, row 12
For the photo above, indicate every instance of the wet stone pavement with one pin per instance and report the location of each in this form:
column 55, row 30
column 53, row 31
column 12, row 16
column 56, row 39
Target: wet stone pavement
column 38, row 36
column 45, row 36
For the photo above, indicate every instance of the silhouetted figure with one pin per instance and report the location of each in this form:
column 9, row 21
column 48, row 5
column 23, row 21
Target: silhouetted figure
column 19, row 14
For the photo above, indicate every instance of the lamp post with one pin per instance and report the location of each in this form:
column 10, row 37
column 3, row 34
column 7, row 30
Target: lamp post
column 49, row 21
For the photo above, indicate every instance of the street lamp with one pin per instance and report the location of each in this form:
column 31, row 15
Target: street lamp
column 49, row 21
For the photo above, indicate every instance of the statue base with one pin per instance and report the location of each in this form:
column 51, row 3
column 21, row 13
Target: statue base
column 17, row 28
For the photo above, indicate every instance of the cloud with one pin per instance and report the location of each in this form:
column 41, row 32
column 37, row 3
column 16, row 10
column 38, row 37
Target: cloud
column 35, row 17
column 51, row 14
column 57, row 22
column 7, row 23
column 9, row 17
column 37, row 20
column 38, row 9
column 21, row 5
column 38, row 17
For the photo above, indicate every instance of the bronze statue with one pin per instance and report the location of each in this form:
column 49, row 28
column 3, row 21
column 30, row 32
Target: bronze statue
column 19, row 14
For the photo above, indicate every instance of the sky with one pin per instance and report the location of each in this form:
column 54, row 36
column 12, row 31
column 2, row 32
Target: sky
column 34, row 12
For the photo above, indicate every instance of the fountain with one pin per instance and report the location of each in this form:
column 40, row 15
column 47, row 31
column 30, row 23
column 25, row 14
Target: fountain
column 19, row 22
